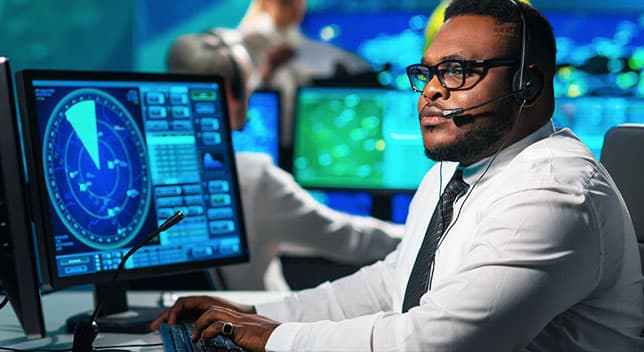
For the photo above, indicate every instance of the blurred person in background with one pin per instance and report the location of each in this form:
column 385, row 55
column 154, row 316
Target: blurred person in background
column 297, row 59
column 279, row 214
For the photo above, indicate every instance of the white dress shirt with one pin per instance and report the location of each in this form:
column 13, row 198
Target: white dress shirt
column 541, row 256
column 281, row 217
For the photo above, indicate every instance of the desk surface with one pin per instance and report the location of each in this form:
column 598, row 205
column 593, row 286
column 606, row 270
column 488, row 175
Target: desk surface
column 59, row 306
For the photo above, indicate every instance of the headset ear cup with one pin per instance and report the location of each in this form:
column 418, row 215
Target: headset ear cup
column 238, row 87
column 531, row 87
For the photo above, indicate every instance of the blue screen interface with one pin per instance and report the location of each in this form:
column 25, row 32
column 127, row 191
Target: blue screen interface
column 120, row 157
column 261, row 132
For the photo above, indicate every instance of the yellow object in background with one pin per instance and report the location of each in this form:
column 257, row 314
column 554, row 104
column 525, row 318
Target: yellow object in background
column 436, row 21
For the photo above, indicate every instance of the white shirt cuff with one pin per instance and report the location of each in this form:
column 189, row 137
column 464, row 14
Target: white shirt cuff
column 282, row 338
column 275, row 310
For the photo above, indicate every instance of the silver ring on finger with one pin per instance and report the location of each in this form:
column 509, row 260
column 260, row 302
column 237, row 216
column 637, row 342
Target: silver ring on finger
column 227, row 329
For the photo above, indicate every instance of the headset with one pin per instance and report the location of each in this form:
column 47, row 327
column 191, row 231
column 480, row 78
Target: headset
column 236, row 82
column 526, row 83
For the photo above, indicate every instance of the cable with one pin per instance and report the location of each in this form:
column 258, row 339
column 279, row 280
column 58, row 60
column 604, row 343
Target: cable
column 523, row 103
column 470, row 191
column 498, row 151
column 4, row 302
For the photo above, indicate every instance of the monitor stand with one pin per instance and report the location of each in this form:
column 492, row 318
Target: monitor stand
column 115, row 315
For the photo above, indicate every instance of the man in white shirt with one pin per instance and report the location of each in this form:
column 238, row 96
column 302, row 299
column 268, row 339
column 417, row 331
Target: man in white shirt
column 538, row 252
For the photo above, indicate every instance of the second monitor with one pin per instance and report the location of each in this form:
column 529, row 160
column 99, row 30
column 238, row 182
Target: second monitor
column 358, row 138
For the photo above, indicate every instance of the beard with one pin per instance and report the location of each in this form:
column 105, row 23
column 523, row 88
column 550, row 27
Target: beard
column 477, row 143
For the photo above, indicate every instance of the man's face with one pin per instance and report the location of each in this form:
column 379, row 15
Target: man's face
column 480, row 132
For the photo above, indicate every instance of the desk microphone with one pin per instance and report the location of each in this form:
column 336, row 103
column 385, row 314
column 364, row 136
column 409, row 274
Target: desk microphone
column 452, row 113
column 85, row 333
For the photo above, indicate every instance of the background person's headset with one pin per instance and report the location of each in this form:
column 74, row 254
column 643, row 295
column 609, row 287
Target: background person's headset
column 237, row 84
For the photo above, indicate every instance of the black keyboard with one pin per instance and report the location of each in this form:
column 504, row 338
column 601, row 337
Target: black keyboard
column 178, row 338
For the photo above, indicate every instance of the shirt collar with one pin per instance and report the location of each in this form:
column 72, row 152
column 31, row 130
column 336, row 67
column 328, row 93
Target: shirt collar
column 472, row 173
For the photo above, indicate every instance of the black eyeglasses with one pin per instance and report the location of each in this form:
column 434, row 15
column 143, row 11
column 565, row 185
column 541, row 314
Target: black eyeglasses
column 453, row 74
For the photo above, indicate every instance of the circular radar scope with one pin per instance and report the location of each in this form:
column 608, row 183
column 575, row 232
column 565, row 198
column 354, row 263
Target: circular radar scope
column 96, row 169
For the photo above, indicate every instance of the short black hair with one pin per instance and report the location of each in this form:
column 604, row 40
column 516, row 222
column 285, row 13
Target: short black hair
column 540, row 37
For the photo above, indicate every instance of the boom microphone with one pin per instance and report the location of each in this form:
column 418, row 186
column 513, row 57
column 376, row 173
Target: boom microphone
column 85, row 333
column 451, row 113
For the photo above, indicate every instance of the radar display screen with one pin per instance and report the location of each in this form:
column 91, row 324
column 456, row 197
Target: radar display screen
column 116, row 155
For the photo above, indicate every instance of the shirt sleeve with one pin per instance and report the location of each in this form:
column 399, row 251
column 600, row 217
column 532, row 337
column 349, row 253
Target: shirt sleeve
column 352, row 300
column 536, row 254
column 304, row 226
column 364, row 292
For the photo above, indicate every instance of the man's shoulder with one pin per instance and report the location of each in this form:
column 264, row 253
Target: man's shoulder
column 561, row 158
column 562, row 146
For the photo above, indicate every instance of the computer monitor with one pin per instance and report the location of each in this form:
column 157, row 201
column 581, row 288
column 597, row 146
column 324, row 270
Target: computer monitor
column 262, row 130
column 358, row 139
column 112, row 155
column 18, row 269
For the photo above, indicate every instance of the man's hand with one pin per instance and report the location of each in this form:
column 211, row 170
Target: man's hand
column 250, row 331
column 191, row 308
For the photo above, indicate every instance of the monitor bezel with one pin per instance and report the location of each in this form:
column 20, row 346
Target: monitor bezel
column 38, row 190
column 21, row 282
column 382, row 191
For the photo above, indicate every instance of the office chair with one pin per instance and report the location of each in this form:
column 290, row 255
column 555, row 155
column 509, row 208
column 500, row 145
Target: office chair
column 622, row 156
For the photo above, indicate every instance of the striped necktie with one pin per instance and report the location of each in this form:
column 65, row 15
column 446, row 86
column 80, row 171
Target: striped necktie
column 441, row 218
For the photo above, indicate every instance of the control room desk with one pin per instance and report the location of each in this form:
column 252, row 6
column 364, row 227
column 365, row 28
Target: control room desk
column 58, row 306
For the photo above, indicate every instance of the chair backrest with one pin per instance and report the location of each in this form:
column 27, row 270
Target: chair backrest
column 623, row 156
